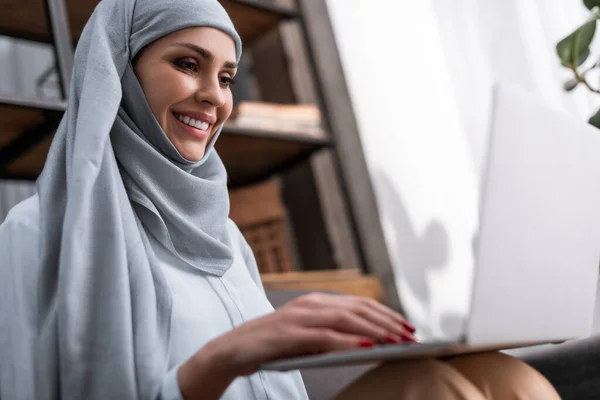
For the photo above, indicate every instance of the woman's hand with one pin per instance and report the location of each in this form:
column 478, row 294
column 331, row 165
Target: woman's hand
column 311, row 324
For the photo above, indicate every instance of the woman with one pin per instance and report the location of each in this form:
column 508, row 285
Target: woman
column 123, row 277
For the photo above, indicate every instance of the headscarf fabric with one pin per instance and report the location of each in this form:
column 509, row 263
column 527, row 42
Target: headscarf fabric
column 111, row 176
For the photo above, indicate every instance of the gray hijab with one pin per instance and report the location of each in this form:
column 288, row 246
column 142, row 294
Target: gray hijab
column 110, row 176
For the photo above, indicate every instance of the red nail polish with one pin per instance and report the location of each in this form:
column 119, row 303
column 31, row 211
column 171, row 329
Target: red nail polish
column 409, row 326
column 392, row 339
column 366, row 343
column 409, row 337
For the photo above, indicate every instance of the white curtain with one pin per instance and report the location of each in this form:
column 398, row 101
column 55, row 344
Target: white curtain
column 513, row 41
column 420, row 75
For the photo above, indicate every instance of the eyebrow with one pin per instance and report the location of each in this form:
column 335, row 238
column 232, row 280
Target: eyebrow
column 202, row 52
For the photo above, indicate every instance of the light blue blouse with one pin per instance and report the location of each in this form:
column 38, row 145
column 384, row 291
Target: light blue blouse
column 204, row 307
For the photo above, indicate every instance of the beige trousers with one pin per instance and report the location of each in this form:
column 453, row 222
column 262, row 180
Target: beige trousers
column 475, row 377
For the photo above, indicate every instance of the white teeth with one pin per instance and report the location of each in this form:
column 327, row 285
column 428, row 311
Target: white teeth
column 192, row 122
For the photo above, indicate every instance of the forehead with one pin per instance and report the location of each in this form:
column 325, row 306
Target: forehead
column 220, row 44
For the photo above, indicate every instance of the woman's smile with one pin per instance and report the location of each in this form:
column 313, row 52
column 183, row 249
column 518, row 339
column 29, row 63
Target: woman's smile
column 198, row 125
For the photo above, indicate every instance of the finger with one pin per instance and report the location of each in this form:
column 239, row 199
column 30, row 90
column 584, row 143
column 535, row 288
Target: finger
column 310, row 341
column 375, row 315
column 384, row 316
column 341, row 320
column 327, row 340
column 320, row 300
column 388, row 311
column 385, row 321
column 375, row 310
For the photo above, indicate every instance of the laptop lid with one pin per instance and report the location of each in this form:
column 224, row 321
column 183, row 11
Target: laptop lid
column 539, row 239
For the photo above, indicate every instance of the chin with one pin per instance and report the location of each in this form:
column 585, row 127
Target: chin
column 193, row 155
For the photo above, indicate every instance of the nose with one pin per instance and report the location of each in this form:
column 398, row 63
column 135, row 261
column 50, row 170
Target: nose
column 210, row 91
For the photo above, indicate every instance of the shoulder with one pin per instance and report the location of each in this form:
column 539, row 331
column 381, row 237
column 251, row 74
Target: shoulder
column 25, row 215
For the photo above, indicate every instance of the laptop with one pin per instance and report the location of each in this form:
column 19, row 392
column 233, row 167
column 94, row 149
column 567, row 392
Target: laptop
column 538, row 250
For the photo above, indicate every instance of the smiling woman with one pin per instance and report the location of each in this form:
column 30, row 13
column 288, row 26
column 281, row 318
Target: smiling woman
column 186, row 78
column 123, row 277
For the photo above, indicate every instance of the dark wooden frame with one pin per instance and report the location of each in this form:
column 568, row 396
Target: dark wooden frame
column 349, row 162
column 63, row 50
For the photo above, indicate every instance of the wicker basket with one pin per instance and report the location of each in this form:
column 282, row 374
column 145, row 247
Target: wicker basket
column 260, row 214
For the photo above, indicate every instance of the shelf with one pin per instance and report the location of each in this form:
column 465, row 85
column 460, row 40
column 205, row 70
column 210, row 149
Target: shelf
column 249, row 155
column 252, row 155
column 15, row 120
column 26, row 19
column 31, row 163
column 346, row 281
column 26, row 128
column 32, row 103
column 253, row 18
column 21, row 114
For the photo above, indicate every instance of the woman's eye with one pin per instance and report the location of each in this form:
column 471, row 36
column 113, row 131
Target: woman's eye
column 187, row 65
column 226, row 81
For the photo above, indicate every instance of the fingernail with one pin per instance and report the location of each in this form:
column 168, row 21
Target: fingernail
column 366, row 343
column 410, row 337
column 409, row 326
column 389, row 338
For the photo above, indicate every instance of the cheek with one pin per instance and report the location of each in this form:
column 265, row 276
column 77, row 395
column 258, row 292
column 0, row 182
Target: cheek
column 164, row 90
column 157, row 95
column 224, row 112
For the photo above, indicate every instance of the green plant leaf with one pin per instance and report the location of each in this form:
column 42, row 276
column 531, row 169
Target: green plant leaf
column 591, row 3
column 575, row 48
column 595, row 120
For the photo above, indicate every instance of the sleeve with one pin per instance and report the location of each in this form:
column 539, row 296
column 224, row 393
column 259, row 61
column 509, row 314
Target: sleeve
column 19, row 268
column 18, row 308
column 170, row 388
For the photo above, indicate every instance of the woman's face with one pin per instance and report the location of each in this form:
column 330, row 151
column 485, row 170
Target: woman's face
column 186, row 77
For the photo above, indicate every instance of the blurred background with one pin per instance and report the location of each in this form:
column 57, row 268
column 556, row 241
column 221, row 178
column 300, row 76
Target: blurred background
column 356, row 147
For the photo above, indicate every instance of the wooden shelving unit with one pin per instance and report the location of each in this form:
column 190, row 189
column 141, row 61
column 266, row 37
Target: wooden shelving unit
column 331, row 203
column 25, row 19
column 26, row 128
column 249, row 155
column 252, row 155
column 347, row 281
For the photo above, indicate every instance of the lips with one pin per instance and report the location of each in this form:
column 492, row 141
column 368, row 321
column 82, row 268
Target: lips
column 194, row 123
column 192, row 126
